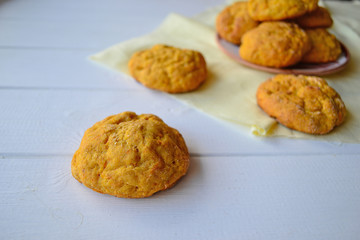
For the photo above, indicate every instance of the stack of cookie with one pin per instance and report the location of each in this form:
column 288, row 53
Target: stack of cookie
column 279, row 33
column 282, row 33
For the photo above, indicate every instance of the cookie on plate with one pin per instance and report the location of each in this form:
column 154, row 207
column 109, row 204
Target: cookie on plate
column 234, row 21
column 275, row 44
column 310, row 5
column 130, row 156
column 303, row 103
column 168, row 69
column 270, row 10
column 325, row 47
column 319, row 18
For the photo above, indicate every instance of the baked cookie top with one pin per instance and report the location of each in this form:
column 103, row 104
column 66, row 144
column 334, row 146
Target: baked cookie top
column 270, row 10
column 303, row 103
column 310, row 5
column 275, row 44
column 234, row 21
column 319, row 18
column 325, row 47
column 130, row 156
column 168, row 69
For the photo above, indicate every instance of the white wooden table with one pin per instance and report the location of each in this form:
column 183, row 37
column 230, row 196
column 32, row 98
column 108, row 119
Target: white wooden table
column 238, row 186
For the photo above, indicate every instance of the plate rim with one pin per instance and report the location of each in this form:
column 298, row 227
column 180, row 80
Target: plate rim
column 289, row 70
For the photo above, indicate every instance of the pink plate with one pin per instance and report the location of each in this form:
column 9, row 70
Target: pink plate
column 320, row 69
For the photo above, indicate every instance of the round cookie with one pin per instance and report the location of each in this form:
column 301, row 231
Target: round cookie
column 303, row 103
column 310, row 5
column 275, row 44
column 234, row 21
column 319, row 18
column 325, row 47
column 270, row 10
column 130, row 156
column 168, row 69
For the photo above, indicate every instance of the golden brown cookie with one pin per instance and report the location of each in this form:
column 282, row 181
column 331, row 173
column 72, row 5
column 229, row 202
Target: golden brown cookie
column 275, row 44
column 325, row 47
column 168, row 69
column 130, row 156
column 319, row 18
column 270, row 10
column 234, row 21
column 304, row 103
column 310, row 5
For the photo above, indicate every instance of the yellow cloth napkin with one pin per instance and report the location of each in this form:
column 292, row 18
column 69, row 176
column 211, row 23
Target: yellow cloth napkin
column 229, row 92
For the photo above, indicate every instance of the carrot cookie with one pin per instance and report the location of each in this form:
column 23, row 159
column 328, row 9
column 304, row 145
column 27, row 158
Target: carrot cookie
column 169, row 69
column 270, row 10
column 234, row 21
column 275, row 44
column 310, row 5
column 319, row 18
column 325, row 47
column 303, row 103
column 130, row 156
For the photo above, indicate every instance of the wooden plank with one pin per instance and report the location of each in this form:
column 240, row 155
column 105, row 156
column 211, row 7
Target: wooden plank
column 60, row 35
column 275, row 197
column 107, row 11
column 52, row 121
column 47, row 68
column 86, row 24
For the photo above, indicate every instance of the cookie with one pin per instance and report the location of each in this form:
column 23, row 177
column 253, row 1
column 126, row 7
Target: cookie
column 270, row 10
column 234, row 21
column 310, row 5
column 131, row 156
column 168, row 69
column 275, row 44
column 319, row 18
column 325, row 47
column 303, row 103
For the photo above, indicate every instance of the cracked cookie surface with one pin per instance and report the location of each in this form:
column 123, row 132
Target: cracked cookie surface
column 168, row 68
column 303, row 103
column 131, row 156
column 234, row 21
column 275, row 44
